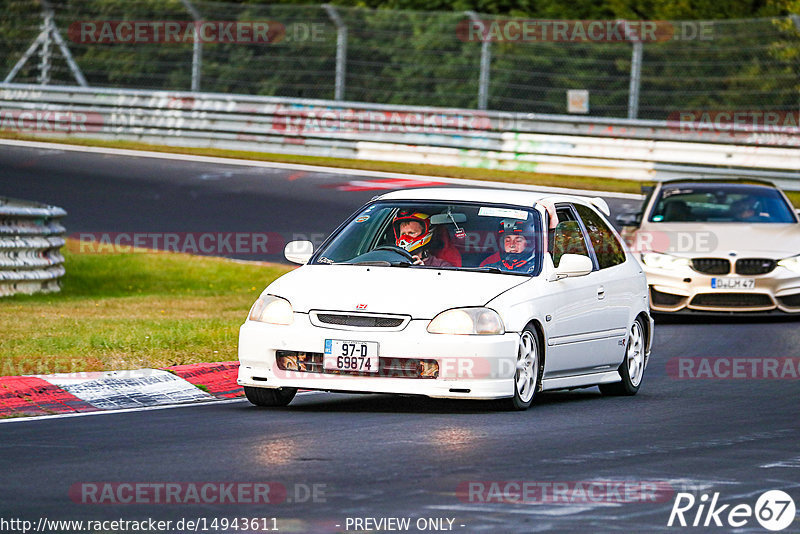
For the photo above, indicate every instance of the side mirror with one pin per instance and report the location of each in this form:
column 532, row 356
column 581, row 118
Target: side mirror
column 629, row 219
column 299, row 251
column 572, row 265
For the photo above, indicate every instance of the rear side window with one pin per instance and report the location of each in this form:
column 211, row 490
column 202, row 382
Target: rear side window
column 606, row 246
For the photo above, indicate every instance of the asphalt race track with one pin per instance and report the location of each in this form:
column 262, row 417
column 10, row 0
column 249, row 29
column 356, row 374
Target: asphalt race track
column 383, row 457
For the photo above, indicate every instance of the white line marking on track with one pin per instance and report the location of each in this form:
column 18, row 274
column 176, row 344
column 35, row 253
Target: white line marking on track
column 309, row 168
column 142, row 409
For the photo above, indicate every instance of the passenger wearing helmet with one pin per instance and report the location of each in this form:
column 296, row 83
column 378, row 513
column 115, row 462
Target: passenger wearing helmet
column 517, row 242
column 413, row 233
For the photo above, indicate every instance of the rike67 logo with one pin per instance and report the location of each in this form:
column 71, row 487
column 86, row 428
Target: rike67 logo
column 774, row 510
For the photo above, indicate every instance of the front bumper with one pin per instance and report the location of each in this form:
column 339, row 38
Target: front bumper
column 686, row 290
column 474, row 366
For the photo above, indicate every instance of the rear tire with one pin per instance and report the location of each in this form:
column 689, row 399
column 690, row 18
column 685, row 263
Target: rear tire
column 632, row 367
column 528, row 375
column 269, row 397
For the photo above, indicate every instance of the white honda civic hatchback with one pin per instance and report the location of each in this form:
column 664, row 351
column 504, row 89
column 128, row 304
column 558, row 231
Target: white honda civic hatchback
column 454, row 293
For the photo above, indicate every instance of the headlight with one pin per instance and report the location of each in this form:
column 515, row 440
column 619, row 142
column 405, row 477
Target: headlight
column 793, row 264
column 273, row 310
column 657, row 260
column 467, row 321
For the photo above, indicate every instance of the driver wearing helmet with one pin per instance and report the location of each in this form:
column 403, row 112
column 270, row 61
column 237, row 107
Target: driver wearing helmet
column 413, row 233
column 744, row 210
column 518, row 241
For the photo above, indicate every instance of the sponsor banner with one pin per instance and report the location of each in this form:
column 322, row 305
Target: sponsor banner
column 318, row 120
column 50, row 121
column 726, row 120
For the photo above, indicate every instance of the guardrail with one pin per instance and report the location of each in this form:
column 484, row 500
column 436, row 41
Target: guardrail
column 555, row 144
column 31, row 236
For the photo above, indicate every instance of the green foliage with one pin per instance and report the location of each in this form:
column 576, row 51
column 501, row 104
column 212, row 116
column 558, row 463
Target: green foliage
column 414, row 55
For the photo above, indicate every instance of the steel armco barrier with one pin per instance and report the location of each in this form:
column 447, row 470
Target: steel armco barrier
column 554, row 144
column 31, row 236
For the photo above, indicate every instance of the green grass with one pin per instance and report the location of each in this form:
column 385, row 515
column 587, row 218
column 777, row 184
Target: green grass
column 131, row 310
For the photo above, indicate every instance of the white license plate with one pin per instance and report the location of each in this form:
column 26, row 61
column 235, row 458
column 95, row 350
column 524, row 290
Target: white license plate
column 733, row 283
column 354, row 356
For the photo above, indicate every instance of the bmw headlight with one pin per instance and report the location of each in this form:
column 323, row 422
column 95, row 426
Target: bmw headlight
column 656, row 260
column 467, row 321
column 272, row 309
column 793, row 264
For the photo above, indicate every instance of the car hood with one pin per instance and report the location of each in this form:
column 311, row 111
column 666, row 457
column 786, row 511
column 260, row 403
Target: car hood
column 765, row 240
column 418, row 292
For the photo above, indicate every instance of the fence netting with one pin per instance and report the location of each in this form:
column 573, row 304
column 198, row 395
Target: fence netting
column 402, row 57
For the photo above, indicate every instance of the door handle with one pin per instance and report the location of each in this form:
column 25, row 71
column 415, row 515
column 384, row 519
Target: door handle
column 601, row 292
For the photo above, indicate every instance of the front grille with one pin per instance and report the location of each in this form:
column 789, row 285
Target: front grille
column 755, row 265
column 711, row 265
column 311, row 362
column 363, row 321
column 664, row 299
column 790, row 301
column 732, row 300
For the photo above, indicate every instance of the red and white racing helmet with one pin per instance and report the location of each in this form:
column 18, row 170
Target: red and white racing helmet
column 409, row 242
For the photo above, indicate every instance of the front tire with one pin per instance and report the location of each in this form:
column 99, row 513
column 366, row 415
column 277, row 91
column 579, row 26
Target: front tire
column 632, row 368
column 527, row 377
column 269, row 397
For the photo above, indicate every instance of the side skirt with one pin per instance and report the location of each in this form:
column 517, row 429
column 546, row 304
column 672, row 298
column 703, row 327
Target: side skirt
column 581, row 380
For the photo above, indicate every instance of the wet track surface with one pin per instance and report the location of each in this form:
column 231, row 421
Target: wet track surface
column 381, row 456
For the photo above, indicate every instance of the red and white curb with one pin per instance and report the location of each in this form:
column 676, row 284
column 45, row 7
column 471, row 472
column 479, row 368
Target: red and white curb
column 117, row 390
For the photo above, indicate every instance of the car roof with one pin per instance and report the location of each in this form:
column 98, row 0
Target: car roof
column 719, row 181
column 490, row 196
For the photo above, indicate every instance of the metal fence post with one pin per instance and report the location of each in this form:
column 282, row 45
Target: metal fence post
column 636, row 69
column 486, row 58
column 197, row 46
column 636, row 80
column 341, row 50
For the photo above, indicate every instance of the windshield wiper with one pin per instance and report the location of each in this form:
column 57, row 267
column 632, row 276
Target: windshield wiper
column 493, row 270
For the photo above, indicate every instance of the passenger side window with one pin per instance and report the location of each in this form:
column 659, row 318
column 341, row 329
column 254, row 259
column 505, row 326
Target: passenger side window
column 607, row 248
column 568, row 239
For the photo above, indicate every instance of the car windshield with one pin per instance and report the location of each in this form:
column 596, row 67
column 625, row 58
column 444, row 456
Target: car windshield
column 723, row 203
column 443, row 235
